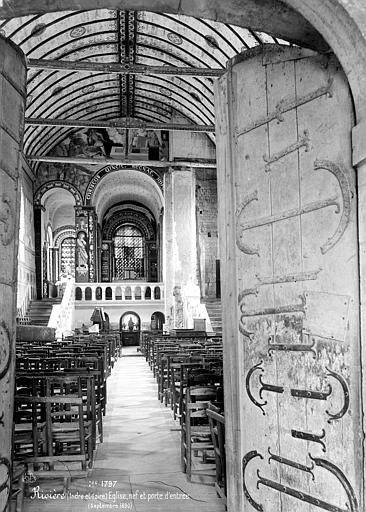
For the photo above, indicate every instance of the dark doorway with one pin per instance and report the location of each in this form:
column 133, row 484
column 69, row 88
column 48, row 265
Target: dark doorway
column 130, row 326
column 157, row 321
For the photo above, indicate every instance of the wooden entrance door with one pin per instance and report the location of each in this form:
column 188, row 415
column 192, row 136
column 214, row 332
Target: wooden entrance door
column 289, row 258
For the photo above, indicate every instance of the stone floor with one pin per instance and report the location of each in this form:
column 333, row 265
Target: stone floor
column 138, row 465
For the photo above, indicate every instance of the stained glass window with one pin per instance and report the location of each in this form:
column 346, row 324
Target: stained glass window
column 129, row 253
column 67, row 257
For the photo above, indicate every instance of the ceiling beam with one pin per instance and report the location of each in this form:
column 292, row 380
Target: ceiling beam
column 82, row 123
column 203, row 163
column 122, row 69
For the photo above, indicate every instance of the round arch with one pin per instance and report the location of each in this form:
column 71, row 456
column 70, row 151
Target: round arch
column 128, row 217
column 130, row 327
column 157, row 321
column 89, row 193
column 57, row 184
column 125, row 186
column 61, row 233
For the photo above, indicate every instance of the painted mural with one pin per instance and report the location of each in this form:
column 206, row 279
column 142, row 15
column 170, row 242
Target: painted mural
column 114, row 143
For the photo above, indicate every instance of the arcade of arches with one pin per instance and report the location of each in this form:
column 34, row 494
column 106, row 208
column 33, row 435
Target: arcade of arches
column 155, row 161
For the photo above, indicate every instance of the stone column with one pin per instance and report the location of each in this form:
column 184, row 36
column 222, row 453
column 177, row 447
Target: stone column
column 180, row 263
column 160, row 244
column 38, row 209
column 55, row 264
column 106, row 261
column 12, row 100
column 168, row 264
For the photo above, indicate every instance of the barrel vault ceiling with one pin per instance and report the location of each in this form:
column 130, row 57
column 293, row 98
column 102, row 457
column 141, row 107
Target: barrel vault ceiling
column 126, row 38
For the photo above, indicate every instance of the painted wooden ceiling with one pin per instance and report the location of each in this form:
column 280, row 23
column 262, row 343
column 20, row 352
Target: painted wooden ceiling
column 122, row 37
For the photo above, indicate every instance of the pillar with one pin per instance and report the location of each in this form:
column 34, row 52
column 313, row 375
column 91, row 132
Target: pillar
column 55, row 264
column 180, row 262
column 12, row 101
column 160, row 241
column 106, row 261
column 38, row 209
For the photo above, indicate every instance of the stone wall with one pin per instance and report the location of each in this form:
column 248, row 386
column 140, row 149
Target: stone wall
column 207, row 232
column 180, row 261
column 185, row 145
column 26, row 251
column 12, row 99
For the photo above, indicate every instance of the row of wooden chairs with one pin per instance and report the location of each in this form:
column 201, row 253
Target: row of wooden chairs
column 190, row 379
column 60, row 401
column 172, row 359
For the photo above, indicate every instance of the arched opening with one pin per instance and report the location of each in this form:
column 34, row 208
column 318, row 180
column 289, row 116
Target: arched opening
column 130, row 228
column 130, row 326
column 55, row 232
column 88, row 293
column 137, row 292
column 129, row 253
column 108, row 293
column 157, row 321
column 67, row 257
column 157, row 293
column 128, row 293
column 78, row 293
column 98, row 293
column 118, row 293
column 148, row 293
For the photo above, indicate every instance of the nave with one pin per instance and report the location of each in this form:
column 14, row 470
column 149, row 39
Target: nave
column 140, row 451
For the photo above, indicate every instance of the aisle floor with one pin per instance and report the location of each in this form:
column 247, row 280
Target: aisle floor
column 137, row 467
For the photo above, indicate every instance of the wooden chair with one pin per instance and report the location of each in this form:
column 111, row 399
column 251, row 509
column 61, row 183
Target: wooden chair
column 217, row 427
column 17, row 488
column 29, row 418
column 195, row 429
column 67, row 442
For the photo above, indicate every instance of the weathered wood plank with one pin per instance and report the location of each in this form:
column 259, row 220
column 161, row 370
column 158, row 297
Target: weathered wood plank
column 132, row 69
column 296, row 238
column 83, row 123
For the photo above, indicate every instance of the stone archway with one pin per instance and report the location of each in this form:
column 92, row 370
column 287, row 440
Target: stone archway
column 50, row 185
column 130, row 326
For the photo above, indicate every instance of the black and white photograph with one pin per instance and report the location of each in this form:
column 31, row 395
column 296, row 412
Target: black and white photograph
column 182, row 255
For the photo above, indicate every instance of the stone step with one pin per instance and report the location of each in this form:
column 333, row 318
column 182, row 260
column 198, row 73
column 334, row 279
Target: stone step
column 41, row 306
column 214, row 310
column 39, row 311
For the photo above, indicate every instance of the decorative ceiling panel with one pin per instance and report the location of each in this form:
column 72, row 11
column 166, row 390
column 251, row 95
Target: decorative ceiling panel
column 127, row 38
